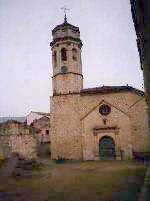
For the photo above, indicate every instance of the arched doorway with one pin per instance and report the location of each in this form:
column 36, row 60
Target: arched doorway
column 107, row 148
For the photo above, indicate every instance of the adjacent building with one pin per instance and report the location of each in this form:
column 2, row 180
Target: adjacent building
column 41, row 129
column 36, row 115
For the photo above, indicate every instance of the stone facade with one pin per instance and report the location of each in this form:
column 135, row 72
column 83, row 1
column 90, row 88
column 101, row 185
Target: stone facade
column 17, row 138
column 77, row 124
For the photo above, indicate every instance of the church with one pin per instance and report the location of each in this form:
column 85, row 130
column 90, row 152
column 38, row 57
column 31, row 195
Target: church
column 101, row 123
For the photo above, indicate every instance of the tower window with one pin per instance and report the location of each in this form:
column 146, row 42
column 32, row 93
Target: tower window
column 63, row 54
column 74, row 54
column 55, row 58
column 47, row 132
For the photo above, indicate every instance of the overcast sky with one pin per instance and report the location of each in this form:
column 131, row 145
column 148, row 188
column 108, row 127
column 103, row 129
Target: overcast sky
column 109, row 53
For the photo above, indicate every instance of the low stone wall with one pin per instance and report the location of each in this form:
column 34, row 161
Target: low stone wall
column 43, row 150
column 25, row 145
column 5, row 148
column 17, row 138
column 1, row 153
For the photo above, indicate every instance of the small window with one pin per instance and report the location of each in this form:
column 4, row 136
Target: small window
column 47, row 132
column 63, row 54
column 74, row 54
column 55, row 58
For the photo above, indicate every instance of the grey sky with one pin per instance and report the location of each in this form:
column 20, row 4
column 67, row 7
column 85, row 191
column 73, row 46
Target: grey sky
column 109, row 53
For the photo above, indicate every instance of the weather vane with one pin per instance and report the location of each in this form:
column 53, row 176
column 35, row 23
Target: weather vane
column 65, row 9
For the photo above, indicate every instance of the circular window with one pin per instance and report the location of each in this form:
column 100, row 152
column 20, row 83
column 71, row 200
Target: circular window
column 104, row 109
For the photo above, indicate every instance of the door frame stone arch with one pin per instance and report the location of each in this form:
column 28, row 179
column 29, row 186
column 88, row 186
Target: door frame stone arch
column 112, row 132
column 113, row 144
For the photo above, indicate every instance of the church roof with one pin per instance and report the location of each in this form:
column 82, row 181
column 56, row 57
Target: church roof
column 110, row 89
column 64, row 25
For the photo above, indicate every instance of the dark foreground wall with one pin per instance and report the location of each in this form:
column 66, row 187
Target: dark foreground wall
column 141, row 17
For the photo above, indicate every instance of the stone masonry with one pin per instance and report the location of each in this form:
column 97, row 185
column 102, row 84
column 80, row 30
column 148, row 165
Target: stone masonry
column 17, row 138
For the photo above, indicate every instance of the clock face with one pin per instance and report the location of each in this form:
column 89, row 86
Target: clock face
column 64, row 69
column 104, row 109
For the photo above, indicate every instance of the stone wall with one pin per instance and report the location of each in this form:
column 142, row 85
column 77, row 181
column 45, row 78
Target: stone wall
column 65, row 127
column 139, row 126
column 127, row 113
column 17, row 138
column 41, row 128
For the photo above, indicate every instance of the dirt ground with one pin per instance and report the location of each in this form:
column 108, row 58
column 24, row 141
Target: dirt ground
column 73, row 181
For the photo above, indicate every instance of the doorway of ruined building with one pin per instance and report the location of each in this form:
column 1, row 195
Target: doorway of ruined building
column 107, row 148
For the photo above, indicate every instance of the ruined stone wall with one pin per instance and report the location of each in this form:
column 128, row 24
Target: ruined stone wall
column 1, row 153
column 40, row 128
column 42, row 136
column 25, row 145
column 17, row 138
column 5, row 148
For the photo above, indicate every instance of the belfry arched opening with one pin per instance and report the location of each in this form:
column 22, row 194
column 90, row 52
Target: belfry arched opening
column 107, row 148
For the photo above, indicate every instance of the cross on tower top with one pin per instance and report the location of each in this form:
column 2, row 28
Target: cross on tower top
column 65, row 9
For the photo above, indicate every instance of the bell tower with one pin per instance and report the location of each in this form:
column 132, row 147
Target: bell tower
column 66, row 59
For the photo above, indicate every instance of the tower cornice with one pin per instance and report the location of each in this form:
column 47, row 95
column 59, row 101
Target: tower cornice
column 67, row 73
column 66, row 39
